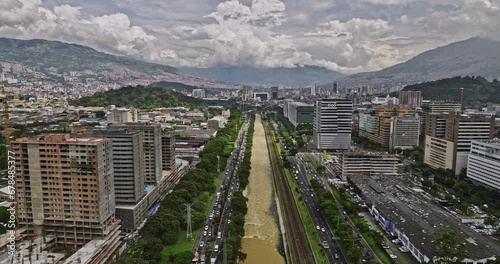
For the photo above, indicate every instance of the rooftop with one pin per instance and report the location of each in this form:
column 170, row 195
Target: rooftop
column 418, row 215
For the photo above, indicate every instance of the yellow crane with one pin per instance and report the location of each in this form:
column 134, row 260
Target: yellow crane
column 3, row 98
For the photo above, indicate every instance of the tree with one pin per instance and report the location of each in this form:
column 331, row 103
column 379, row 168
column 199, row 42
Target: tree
column 100, row 114
column 183, row 257
column 448, row 247
column 153, row 249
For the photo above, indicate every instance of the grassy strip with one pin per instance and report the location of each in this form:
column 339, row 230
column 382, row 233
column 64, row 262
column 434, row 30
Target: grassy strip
column 182, row 245
column 305, row 217
column 311, row 160
column 379, row 251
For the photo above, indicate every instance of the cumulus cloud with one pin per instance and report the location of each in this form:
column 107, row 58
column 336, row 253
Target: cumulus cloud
column 344, row 35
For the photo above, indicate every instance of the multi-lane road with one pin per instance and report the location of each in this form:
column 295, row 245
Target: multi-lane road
column 220, row 208
column 332, row 249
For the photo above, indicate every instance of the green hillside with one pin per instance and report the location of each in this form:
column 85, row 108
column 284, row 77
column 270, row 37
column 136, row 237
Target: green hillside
column 477, row 90
column 138, row 97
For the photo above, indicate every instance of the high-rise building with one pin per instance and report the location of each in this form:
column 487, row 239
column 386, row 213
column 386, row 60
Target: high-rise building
column 300, row 113
column 484, row 161
column 410, row 98
column 404, row 133
column 391, row 127
column 449, row 135
column 152, row 148
column 198, row 93
column 332, row 124
column 128, row 167
column 335, row 88
column 168, row 151
column 313, row 89
column 286, row 106
column 65, row 187
column 274, row 92
column 122, row 115
column 433, row 107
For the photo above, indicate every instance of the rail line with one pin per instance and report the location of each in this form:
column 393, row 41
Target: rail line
column 298, row 247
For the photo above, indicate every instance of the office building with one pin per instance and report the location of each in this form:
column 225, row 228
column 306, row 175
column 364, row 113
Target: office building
column 122, row 115
column 168, row 151
column 300, row 113
column 261, row 96
column 404, row 132
column 65, row 188
column 198, row 93
column 152, row 148
column 410, row 98
column 335, row 88
column 449, row 135
column 484, row 163
column 332, row 124
column 365, row 163
column 391, row 127
column 274, row 92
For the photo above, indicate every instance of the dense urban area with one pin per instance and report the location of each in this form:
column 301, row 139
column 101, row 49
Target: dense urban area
column 106, row 159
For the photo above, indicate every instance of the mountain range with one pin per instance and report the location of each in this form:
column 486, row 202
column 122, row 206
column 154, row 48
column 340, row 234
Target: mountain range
column 471, row 57
column 300, row 75
column 51, row 61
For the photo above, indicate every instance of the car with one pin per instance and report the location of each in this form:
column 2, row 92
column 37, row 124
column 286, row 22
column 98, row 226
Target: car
column 336, row 256
column 385, row 246
column 209, row 233
column 312, row 195
column 202, row 244
column 317, row 227
column 323, row 229
column 403, row 249
column 206, row 227
column 393, row 256
column 204, row 233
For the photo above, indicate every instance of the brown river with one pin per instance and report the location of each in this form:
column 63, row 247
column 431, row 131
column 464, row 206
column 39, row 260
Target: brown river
column 261, row 230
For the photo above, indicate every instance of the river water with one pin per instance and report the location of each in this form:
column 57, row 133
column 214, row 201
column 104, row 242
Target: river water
column 261, row 230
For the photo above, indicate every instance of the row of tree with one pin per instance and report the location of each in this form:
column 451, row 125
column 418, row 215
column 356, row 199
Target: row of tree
column 165, row 226
column 349, row 243
column 239, row 204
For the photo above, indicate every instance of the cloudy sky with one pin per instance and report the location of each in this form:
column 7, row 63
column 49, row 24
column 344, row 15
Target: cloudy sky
column 344, row 35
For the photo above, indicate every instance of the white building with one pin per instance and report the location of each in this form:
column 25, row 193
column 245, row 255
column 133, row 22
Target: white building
column 122, row 115
column 332, row 124
column 484, row 163
column 198, row 93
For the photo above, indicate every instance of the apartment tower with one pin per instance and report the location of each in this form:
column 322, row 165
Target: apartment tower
column 151, row 146
column 65, row 188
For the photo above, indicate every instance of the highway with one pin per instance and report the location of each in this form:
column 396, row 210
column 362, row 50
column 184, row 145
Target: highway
column 324, row 182
column 220, row 206
column 333, row 252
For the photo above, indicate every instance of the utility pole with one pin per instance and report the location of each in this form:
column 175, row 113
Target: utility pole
column 189, row 234
column 218, row 164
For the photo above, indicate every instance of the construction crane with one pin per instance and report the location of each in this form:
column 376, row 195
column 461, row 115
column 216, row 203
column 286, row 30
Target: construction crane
column 3, row 98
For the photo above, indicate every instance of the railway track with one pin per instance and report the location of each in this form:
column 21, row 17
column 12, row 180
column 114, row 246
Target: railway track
column 298, row 247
